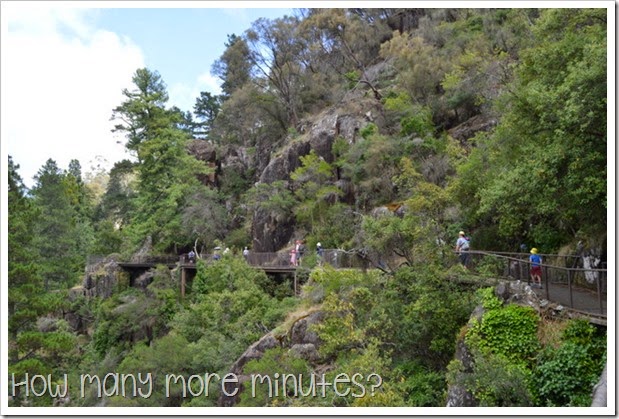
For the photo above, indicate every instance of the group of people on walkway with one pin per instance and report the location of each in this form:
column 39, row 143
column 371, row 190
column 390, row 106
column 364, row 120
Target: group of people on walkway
column 463, row 246
column 298, row 251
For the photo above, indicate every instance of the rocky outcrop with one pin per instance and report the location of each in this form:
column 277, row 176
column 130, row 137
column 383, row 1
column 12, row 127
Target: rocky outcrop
column 471, row 127
column 271, row 231
column 101, row 279
column 280, row 167
column 202, row 150
column 300, row 341
column 600, row 390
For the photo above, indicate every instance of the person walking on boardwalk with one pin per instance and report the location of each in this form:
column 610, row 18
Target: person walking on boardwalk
column 462, row 247
column 536, row 268
column 293, row 257
column 319, row 252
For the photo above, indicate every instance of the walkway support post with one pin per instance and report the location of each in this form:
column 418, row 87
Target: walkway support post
column 183, row 281
column 569, row 285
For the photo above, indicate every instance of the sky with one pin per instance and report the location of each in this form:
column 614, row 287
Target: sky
column 65, row 64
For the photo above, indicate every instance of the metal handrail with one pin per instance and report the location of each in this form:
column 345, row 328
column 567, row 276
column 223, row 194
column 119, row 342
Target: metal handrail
column 560, row 283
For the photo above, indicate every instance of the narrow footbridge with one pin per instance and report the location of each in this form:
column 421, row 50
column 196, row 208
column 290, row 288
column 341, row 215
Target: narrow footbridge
column 567, row 280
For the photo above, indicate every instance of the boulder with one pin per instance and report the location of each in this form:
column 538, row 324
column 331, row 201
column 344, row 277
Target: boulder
column 305, row 351
column 202, row 150
column 301, row 333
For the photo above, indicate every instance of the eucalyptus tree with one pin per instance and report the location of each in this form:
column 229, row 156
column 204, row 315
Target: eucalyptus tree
column 274, row 54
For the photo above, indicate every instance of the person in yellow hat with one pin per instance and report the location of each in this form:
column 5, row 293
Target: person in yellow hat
column 536, row 268
column 462, row 247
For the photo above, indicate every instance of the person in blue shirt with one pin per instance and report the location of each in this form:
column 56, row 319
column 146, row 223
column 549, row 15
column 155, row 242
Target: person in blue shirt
column 536, row 268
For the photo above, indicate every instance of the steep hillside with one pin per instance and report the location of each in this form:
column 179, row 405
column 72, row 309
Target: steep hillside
column 381, row 133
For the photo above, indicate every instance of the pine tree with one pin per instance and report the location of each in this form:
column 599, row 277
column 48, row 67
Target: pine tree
column 166, row 173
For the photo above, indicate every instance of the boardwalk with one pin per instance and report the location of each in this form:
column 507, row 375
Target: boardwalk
column 578, row 289
column 575, row 288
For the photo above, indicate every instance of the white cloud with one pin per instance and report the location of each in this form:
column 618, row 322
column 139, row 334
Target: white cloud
column 61, row 78
column 184, row 96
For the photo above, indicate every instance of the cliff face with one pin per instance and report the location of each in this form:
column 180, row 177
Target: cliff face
column 275, row 159
column 271, row 232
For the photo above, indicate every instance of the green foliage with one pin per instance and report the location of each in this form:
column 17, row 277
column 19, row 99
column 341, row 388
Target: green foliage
column 276, row 363
column 419, row 386
column 206, row 108
column 229, row 273
column 565, row 376
column 539, row 160
column 231, row 310
column 494, row 380
column 352, row 78
column 524, row 177
column 272, row 197
column 167, row 174
column 488, row 300
column 368, row 130
column 62, row 234
column 509, row 331
column 131, row 316
column 434, row 309
column 170, row 354
column 511, row 368
column 488, row 266
column 415, row 120
column 338, row 332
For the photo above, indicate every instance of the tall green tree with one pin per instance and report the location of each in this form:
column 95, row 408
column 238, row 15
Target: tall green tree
column 58, row 234
column 23, row 267
column 166, row 173
column 33, row 348
column 143, row 112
